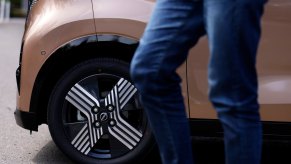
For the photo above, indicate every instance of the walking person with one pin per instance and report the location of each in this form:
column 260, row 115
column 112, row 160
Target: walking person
column 233, row 30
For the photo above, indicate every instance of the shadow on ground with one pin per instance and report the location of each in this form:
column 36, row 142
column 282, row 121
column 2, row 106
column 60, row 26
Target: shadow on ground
column 212, row 151
column 205, row 151
column 51, row 154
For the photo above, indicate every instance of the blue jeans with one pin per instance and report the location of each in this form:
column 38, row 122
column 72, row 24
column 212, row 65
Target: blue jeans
column 233, row 30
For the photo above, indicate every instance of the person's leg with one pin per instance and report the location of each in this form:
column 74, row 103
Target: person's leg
column 233, row 29
column 174, row 27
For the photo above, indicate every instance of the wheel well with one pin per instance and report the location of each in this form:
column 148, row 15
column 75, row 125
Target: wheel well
column 64, row 59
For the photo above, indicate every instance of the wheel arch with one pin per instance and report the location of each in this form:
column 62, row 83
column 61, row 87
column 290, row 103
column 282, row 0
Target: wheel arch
column 67, row 56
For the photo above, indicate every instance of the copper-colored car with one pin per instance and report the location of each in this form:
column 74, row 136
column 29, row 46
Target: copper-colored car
column 73, row 76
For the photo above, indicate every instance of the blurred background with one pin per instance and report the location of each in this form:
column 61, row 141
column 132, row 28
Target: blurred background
column 12, row 9
column 18, row 8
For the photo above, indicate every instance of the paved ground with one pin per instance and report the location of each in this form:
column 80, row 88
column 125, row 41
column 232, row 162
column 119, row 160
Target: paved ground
column 18, row 146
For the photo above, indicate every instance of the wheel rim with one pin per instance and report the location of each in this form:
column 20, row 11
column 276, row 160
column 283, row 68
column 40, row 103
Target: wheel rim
column 102, row 117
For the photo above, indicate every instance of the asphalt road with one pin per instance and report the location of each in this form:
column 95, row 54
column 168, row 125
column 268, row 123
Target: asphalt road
column 18, row 146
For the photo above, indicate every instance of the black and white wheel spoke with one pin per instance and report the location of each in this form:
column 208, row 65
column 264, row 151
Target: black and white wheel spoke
column 85, row 102
column 104, row 117
column 122, row 130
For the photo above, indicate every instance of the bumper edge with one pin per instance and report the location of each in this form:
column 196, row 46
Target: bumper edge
column 26, row 120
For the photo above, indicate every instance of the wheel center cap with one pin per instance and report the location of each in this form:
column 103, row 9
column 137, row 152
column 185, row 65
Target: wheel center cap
column 103, row 116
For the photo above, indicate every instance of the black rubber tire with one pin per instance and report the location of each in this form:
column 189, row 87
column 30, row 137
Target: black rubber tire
column 57, row 98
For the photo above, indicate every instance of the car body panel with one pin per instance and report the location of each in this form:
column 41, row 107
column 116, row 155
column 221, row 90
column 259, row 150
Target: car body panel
column 273, row 64
column 112, row 16
column 52, row 24
column 49, row 26
column 130, row 21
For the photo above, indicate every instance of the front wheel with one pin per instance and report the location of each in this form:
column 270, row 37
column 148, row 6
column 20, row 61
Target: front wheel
column 94, row 115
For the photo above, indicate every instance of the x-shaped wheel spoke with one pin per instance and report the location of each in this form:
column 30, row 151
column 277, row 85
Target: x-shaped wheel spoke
column 85, row 102
column 110, row 116
column 121, row 93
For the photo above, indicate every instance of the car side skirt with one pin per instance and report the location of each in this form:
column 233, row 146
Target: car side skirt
column 279, row 131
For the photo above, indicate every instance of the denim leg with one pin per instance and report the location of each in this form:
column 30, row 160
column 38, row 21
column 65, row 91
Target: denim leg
column 233, row 28
column 174, row 27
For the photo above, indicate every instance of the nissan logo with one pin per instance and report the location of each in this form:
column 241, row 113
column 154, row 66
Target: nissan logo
column 103, row 116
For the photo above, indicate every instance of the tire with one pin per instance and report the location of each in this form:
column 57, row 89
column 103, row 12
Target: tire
column 94, row 115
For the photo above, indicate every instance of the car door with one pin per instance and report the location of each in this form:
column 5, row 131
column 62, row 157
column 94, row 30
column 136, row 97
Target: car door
column 273, row 65
column 113, row 18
